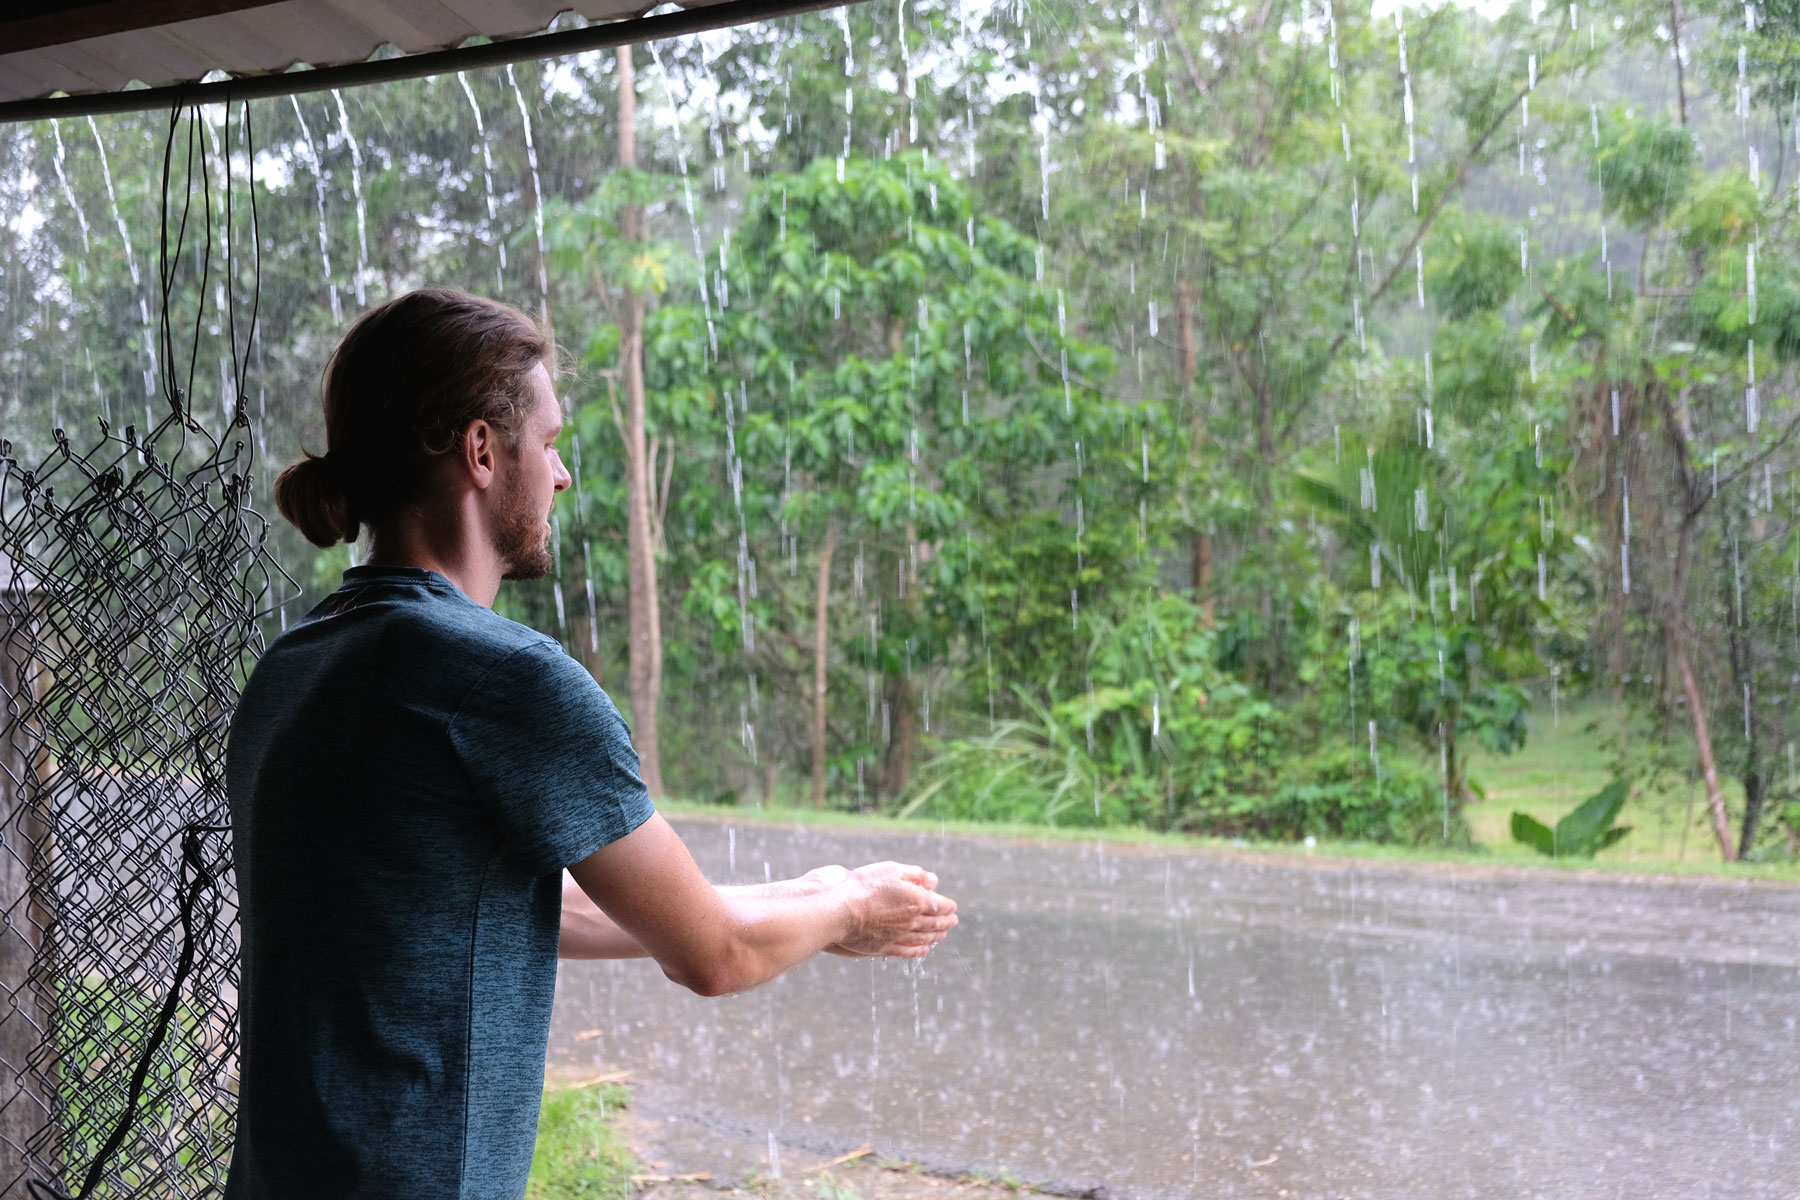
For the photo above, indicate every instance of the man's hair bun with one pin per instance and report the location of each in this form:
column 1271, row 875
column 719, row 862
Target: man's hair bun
column 312, row 497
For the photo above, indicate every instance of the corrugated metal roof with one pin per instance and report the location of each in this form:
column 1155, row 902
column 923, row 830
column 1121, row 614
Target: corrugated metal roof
column 259, row 40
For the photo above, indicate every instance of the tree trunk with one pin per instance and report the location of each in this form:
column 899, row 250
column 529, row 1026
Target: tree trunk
column 1184, row 334
column 898, row 767
column 1202, row 579
column 1715, row 802
column 1453, row 766
column 1680, row 70
column 1743, row 670
column 645, row 622
column 586, row 636
column 1753, row 802
column 1678, row 429
column 821, row 647
column 1187, row 348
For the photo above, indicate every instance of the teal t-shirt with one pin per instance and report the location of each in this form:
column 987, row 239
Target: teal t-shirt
column 409, row 772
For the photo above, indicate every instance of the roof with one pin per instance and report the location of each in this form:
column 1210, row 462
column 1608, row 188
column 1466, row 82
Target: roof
column 85, row 56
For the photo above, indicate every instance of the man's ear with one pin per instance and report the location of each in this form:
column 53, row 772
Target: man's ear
column 480, row 446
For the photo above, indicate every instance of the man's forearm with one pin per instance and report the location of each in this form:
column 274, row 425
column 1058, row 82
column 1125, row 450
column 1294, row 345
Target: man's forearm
column 589, row 933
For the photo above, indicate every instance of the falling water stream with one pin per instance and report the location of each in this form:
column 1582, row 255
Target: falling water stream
column 487, row 180
column 112, row 198
column 318, row 171
column 356, row 188
column 537, row 196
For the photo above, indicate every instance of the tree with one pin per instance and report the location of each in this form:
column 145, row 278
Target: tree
column 646, row 624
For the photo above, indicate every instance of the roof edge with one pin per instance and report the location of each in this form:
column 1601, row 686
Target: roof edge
column 604, row 36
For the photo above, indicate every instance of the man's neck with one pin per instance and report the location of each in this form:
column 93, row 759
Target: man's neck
column 475, row 571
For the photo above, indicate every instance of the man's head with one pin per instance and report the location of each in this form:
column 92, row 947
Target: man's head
column 430, row 397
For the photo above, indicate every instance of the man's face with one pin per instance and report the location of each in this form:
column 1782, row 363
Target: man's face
column 533, row 476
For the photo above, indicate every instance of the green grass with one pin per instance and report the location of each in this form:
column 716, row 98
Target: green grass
column 579, row 1151
column 1566, row 760
column 1483, row 855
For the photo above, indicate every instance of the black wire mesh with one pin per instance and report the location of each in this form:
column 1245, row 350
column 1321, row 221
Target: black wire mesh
column 130, row 587
column 132, row 576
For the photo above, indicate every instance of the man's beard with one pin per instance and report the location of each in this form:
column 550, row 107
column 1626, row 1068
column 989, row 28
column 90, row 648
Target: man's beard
column 519, row 539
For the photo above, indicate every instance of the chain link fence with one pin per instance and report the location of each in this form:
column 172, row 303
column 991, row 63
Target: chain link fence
column 133, row 573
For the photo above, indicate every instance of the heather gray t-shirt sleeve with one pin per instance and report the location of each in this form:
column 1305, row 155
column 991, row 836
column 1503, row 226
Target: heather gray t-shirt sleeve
column 545, row 747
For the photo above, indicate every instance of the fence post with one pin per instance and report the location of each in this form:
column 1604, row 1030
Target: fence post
column 24, row 1110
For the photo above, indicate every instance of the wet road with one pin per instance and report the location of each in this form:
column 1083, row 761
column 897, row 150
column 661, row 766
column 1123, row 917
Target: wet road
column 1202, row 1024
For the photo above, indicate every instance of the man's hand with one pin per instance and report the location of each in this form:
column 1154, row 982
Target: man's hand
column 821, row 879
column 896, row 911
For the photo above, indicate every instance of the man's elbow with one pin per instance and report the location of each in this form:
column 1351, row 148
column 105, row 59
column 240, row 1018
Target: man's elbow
column 718, row 974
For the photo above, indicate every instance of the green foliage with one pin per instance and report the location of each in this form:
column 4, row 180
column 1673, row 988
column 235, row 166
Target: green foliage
column 828, row 1187
column 1165, row 739
column 898, row 266
column 1584, row 832
column 106, row 1024
column 1461, row 611
column 579, row 1153
column 1336, row 792
column 1476, row 269
column 1646, row 166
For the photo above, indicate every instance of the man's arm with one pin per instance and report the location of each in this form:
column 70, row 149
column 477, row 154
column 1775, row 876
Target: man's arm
column 715, row 942
column 588, row 933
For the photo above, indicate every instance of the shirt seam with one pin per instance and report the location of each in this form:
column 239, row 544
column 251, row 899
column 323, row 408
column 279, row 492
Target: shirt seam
column 468, row 1065
column 482, row 678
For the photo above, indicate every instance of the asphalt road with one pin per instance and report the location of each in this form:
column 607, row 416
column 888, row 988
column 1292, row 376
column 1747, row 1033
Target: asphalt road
column 1164, row 1023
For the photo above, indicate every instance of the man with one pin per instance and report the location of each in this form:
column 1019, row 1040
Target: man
column 410, row 775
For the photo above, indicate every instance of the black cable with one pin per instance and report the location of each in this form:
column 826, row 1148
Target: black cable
column 162, row 256
column 230, row 253
column 205, row 257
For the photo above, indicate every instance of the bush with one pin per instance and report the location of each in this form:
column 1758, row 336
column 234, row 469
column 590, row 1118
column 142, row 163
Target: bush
column 1339, row 794
column 1165, row 739
column 1584, row 832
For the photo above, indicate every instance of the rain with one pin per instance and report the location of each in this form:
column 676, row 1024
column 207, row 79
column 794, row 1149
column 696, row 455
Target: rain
column 1231, row 489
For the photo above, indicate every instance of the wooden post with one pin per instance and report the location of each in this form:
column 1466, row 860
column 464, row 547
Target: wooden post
column 24, row 1111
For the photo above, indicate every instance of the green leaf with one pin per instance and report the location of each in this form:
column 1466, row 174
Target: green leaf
column 1579, row 833
column 1612, row 836
column 1529, row 831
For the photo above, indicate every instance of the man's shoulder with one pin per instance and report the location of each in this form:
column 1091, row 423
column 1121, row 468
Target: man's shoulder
column 481, row 631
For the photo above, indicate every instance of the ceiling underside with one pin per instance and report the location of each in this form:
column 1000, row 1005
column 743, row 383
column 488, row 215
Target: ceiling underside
column 83, row 47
